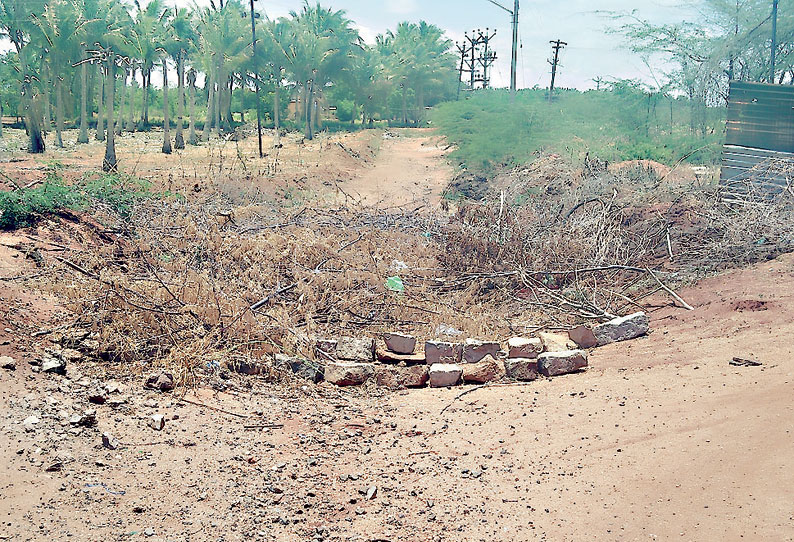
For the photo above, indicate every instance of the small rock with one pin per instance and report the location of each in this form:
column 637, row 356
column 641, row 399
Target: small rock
column 399, row 343
column 622, row 329
column 349, row 374
column 148, row 531
column 312, row 371
column 474, row 350
column 8, row 363
column 53, row 366
column 556, row 342
column 161, row 381
column 486, row 370
column 372, row 492
column 97, row 397
column 522, row 369
column 157, row 422
column 560, row 363
column 30, row 423
column 352, row 349
column 86, row 419
column 247, row 367
column 583, row 336
column 443, row 375
column 443, row 352
column 524, row 348
column 110, row 442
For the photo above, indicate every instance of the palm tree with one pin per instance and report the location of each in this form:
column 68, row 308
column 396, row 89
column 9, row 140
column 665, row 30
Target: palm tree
column 184, row 35
column 147, row 30
column 59, row 27
column 321, row 49
column 16, row 24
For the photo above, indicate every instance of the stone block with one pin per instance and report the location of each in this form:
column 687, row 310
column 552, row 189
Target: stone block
column 622, row 329
column 522, row 369
column 556, row 342
column 443, row 352
column 524, row 348
column 486, row 370
column 474, row 350
column 443, row 375
column 560, row 363
column 397, row 378
column 583, row 336
column 381, row 354
column 353, row 349
column 349, row 374
column 399, row 343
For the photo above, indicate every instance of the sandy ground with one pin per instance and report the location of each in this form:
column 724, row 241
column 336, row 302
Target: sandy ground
column 661, row 439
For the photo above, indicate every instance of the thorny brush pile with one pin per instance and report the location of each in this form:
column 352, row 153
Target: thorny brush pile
column 189, row 284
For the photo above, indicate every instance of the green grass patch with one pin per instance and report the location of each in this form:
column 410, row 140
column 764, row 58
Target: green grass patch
column 24, row 207
column 623, row 124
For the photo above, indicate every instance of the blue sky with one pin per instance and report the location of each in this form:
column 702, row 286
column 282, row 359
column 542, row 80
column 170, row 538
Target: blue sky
column 581, row 23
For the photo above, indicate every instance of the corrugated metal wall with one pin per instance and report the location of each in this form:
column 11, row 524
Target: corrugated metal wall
column 760, row 141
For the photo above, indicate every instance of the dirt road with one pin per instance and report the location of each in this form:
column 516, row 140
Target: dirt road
column 409, row 170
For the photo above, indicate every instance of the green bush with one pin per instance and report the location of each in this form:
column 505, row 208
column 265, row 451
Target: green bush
column 626, row 124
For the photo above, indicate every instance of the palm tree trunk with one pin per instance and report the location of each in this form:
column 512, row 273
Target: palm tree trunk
column 59, row 112
column 277, row 112
column 217, row 105
column 130, row 118
column 191, row 138
column 205, row 133
column 33, row 123
column 100, row 119
column 83, row 137
column 46, row 91
column 122, row 100
column 405, row 107
column 1, row 119
column 147, row 84
column 110, row 164
column 180, row 106
column 166, row 119
column 307, row 133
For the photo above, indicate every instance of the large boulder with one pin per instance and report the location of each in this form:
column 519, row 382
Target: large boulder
column 488, row 369
column 443, row 352
column 353, row 349
column 443, row 375
column 349, row 374
column 399, row 343
column 397, row 378
column 523, row 369
column 622, row 329
column 560, row 363
column 474, row 350
column 524, row 348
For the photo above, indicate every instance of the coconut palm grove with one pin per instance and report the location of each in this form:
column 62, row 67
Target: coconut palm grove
column 104, row 66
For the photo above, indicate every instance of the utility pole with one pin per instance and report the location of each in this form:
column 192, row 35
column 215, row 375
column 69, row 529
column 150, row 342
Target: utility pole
column 556, row 46
column 474, row 52
column 514, row 59
column 256, row 81
column 774, row 42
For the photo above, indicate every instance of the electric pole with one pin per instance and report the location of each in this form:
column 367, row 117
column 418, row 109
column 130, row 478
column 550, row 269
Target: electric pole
column 256, row 80
column 774, row 42
column 556, row 46
column 514, row 59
